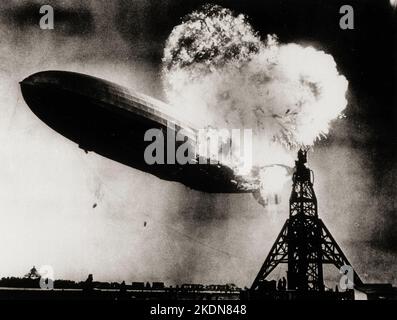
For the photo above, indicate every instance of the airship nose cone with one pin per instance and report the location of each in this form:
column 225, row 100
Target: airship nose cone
column 45, row 77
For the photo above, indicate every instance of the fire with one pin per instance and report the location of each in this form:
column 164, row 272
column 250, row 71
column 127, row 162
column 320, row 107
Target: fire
column 218, row 72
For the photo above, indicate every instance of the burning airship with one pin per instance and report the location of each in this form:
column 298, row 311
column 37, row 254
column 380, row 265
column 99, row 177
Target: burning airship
column 111, row 121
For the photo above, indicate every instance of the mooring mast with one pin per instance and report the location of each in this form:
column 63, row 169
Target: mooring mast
column 304, row 242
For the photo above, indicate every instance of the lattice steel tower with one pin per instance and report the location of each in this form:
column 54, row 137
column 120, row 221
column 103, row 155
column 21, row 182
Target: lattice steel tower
column 304, row 242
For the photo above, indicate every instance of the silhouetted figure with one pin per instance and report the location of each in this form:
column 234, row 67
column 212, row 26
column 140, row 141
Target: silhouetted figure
column 279, row 285
column 88, row 284
column 123, row 291
column 123, row 288
column 284, row 284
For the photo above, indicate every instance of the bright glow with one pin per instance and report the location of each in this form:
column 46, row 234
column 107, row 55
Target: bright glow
column 273, row 179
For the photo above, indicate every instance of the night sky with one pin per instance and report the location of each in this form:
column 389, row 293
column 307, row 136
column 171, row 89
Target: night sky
column 48, row 185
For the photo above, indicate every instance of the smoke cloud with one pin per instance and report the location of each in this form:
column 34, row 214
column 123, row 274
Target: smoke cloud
column 216, row 68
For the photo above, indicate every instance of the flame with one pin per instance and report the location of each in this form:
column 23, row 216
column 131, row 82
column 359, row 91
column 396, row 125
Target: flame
column 218, row 72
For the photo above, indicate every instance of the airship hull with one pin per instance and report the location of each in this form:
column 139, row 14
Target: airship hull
column 111, row 121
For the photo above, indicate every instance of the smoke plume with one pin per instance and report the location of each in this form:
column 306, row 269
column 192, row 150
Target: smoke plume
column 218, row 70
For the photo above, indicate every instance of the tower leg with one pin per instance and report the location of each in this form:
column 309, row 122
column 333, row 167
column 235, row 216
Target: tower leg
column 278, row 254
column 333, row 254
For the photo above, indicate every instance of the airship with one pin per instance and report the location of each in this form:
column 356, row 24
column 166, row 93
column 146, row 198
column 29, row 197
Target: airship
column 111, row 120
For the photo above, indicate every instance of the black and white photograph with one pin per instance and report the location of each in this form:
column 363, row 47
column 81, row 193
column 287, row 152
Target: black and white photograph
column 219, row 153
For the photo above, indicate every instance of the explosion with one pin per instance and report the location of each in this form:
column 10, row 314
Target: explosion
column 219, row 73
